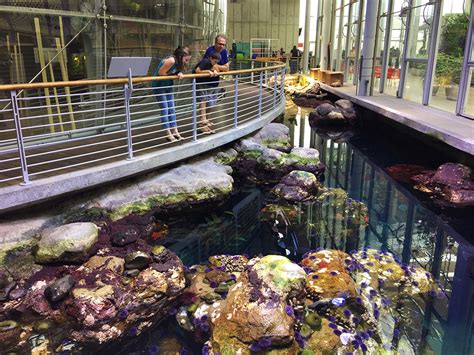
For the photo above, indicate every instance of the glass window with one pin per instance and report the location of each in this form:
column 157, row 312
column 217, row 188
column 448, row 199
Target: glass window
column 469, row 97
column 452, row 40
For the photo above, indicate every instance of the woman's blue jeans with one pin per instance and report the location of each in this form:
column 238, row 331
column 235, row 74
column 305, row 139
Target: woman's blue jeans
column 165, row 98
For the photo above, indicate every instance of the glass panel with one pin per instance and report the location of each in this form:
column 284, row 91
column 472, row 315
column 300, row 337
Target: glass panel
column 167, row 10
column 420, row 30
column 452, row 40
column 397, row 36
column 353, row 23
column 469, row 98
column 414, row 81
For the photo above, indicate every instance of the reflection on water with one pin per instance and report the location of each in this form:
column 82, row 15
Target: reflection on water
column 396, row 219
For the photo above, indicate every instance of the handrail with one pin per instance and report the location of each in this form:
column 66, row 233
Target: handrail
column 144, row 79
column 45, row 135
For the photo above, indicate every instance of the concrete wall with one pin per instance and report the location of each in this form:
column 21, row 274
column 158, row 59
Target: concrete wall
column 264, row 19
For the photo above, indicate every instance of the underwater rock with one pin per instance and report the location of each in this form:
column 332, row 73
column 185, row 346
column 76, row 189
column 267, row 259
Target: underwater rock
column 297, row 186
column 66, row 243
column 451, row 183
column 311, row 102
column 10, row 334
column 99, row 263
column 59, row 290
column 274, row 136
column 230, row 263
column 281, row 275
column 137, row 260
column 124, row 235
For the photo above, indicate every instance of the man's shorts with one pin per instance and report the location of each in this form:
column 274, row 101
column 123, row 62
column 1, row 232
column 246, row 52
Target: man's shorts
column 208, row 95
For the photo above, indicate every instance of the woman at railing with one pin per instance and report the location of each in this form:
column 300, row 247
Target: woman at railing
column 163, row 89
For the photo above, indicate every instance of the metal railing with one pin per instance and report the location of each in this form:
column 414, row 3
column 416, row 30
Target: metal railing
column 52, row 128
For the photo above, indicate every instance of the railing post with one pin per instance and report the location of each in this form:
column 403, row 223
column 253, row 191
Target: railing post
column 282, row 87
column 274, row 89
column 252, row 65
column 127, row 88
column 236, row 99
column 19, row 138
column 194, row 111
column 260, row 92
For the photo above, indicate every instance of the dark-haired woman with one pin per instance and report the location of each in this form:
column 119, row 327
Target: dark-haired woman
column 163, row 89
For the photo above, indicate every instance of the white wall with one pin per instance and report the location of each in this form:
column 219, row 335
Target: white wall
column 263, row 19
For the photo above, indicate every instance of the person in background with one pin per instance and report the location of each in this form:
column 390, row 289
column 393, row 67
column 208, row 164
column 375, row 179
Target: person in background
column 163, row 89
column 295, row 54
column 207, row 89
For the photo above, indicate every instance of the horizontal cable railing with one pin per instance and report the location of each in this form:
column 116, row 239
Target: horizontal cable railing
column 52, row 128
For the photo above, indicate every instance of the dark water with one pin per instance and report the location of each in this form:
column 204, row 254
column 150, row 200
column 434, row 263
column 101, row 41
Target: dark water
column 400, row 220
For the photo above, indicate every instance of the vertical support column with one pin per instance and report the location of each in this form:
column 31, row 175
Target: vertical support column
column 433, row 49
column 194, row 111
column 19, row 138
column 260, row 92
column 306, row 37
column 465, row 76
column 274, row 89
column 403, row 69
column 368, row 48
column 252, row 65
column 386, row 46
column 127, row 88
column 357, row 64
column 348, row 41
column 236, row 99
column 324, row 61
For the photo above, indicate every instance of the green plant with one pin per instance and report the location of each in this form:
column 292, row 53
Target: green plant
column 448, row 69
column 453, row 34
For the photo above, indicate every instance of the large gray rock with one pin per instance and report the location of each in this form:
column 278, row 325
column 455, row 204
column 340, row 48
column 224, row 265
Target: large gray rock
column 199, row 181
column 68, row 242
column 274, row 136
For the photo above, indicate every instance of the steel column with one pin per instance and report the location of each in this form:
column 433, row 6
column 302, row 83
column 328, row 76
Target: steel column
column 194, row 111
column 128, row 88
column 433, row 50
column 260, row 93
column 19, row 138
column 236, row 99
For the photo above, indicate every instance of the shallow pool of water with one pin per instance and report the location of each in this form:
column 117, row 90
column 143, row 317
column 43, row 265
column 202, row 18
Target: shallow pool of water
column 400, row 220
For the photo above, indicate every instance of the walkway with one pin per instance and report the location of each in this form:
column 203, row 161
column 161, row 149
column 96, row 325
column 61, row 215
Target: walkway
column 93, row 157
column 458, row 132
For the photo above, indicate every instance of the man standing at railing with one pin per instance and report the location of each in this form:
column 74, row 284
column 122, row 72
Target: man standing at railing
column 222, row 65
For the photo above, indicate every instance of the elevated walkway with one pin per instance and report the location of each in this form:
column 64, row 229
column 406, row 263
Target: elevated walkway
column 48, row 157
column 458, row 132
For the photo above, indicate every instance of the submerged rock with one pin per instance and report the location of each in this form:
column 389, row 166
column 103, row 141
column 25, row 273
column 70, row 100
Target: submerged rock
column 451, row 183
column 66, row 243
column 59, row 290
column 297, row 186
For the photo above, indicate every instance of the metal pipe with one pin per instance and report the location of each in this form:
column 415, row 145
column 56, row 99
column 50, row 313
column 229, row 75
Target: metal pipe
column 386, row 47
column 433, row 50
column 19, row 139
column 368, row 48
column 194, row 111
column 260, row 91
column 236, row 99
column 306, row 37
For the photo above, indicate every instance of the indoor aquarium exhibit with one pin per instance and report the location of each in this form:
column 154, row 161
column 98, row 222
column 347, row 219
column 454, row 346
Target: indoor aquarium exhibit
column 220, row 177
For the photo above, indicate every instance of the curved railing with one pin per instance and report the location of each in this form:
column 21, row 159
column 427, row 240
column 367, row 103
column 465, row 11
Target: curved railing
column 52, row 128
